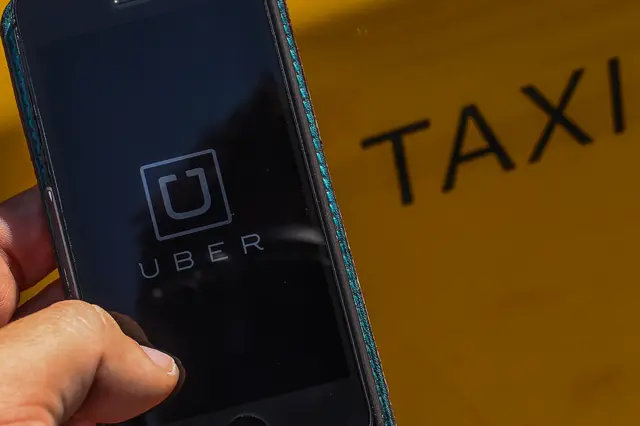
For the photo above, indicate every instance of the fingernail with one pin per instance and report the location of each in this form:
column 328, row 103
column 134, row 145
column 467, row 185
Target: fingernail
column 161, row 359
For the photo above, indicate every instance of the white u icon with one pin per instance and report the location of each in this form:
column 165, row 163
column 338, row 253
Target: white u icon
column 204, row 187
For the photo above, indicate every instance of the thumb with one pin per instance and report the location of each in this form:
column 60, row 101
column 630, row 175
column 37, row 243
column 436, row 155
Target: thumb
column 72, row 360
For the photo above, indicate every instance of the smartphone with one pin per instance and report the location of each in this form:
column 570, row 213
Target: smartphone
column 179, row 160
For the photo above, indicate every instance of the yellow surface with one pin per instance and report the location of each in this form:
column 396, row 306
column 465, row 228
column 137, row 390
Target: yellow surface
column 513, row 299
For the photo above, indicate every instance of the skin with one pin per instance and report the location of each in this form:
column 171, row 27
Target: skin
column 64, row 362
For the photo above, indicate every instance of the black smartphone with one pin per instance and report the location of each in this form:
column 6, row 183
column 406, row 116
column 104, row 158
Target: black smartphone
column 177, row 151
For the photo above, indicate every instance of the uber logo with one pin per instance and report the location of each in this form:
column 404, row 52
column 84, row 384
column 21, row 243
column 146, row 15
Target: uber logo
column 185, row 195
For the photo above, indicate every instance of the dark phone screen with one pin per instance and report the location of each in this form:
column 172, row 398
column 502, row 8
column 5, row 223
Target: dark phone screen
column 187, row 204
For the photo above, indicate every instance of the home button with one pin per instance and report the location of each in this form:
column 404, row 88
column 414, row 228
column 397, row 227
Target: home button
column 247, row 421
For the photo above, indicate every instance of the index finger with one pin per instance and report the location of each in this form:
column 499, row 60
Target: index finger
column 25, row 242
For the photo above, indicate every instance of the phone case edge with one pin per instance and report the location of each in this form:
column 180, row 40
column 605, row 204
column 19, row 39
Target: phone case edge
column 27, row 115
column 363, row 316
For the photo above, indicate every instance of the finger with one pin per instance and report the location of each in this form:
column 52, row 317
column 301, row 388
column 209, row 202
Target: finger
column 25, row 242
column 26, row 252
column 51, row 294
column 71, row 362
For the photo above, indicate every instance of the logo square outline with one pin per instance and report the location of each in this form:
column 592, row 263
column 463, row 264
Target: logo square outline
column 223, row 192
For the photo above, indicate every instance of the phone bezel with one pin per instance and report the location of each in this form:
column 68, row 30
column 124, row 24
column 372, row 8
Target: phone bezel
column 313, row 167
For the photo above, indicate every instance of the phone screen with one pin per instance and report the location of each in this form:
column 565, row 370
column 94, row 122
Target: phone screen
column 187, row 203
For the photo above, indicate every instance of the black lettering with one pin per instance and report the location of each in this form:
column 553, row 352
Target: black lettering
column 471, row 112
column 396, row 137
column 617, row 107
column 556, row 115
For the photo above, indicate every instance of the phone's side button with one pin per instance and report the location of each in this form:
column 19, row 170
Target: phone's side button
column 247, row 421
column 60, row 245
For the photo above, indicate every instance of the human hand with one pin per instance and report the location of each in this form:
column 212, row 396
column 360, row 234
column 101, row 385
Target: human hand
column 64, row 362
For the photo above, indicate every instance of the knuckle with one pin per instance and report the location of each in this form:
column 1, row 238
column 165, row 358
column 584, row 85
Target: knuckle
column 79, row 317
